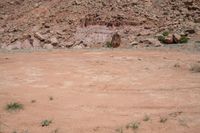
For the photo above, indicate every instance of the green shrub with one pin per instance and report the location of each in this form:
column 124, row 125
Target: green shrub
column 184, row 39
column 46, row 123
column 165, row 33
column 134, row 125
column 108, row 44
column 161, row 39
column 14, row 106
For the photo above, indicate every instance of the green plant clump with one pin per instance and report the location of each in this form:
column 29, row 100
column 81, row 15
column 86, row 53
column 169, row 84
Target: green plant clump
column 46, row 123
column 134, row 125
column 184, row 39
column 108, row 44
column 14, row 106
column 166, row 33
column 161, row 39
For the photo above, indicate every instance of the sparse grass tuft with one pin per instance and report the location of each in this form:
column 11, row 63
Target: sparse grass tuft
column 165, row 33
column 195, row 68
column 14, row 106
column 146, row 118
column 108, row 44
column 177, row 65
column 163, row 120
column 46, row 123
column 133, row 126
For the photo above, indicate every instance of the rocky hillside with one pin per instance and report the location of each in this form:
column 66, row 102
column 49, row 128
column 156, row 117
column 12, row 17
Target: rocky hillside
column 91, row 23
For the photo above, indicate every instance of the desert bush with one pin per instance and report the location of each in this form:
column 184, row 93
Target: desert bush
column 163, row 120
column 134, row 125
column 161, row 39
column 165, row 33
column 46, row 123
column 14, row 106
column 108, row 44
column 184, row 39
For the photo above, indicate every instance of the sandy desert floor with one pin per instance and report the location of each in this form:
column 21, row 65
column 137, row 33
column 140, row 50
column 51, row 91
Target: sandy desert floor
column 100, row 91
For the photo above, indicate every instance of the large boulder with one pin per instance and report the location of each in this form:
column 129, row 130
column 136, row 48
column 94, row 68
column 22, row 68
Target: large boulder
column 169, row 39
column 48, row 46
column 176, row 38
column 26, row 44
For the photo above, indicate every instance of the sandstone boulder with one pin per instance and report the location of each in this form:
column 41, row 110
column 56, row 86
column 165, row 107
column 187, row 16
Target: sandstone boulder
column 54, row 41
column 169, row 39
column 176, row 38
column 26, row 44
column 48, row 46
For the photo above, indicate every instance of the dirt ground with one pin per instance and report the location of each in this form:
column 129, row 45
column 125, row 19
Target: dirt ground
column 100, row 91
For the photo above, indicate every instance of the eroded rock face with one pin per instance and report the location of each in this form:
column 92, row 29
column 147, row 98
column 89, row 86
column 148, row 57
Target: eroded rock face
column 116, row 40
column 98, row 24
column 16, row 45
column 36, row 43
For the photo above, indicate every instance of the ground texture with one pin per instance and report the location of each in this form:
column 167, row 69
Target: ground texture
column 100, row 91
